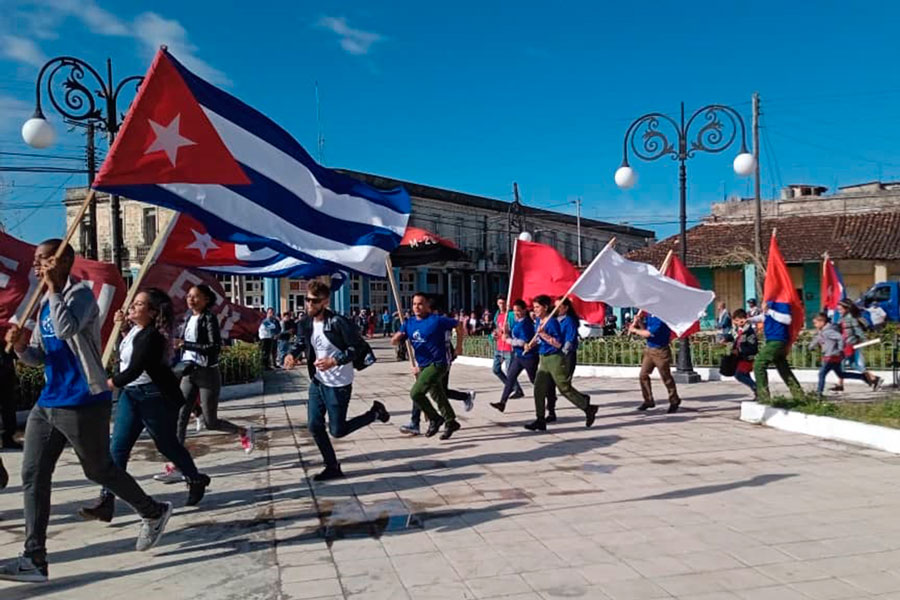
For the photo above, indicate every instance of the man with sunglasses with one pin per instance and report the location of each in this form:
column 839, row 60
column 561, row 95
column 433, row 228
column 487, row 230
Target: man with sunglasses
column 332, row 345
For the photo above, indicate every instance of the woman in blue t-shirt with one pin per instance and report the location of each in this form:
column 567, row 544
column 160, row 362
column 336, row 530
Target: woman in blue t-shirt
column 521, row 331
column 552, row 367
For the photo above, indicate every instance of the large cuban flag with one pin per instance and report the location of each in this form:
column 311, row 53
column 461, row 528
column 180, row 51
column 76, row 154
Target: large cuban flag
column 189, row 146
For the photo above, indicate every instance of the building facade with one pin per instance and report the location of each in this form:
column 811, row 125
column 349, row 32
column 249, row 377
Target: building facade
column 484, row 228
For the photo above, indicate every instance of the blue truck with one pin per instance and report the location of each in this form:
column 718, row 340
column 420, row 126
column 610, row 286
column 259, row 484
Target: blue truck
column 885, row 295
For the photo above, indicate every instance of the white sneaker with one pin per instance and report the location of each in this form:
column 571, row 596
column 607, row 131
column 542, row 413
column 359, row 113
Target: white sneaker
column 152, row 529
column 248, row 440
column 170, row 475
column 470, row 400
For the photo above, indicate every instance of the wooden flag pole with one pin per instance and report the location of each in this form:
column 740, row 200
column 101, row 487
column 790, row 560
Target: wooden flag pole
column 39, row 289
column 396, row 292
column 152, row 254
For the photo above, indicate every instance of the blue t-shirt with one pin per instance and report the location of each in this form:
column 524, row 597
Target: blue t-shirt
column 65, row 384
column 660, row 334
column 552, row 328
column 775, row 331
column 522, row 330
column 428, row 338
column 569, row 327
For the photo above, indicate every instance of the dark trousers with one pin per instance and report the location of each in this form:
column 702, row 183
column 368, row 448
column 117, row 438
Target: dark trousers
column 202, row 386
column 553, row 371
column 529, row 364
column 86, row 428
column 837, row 369
column 774, row 352
column 661, row 360
column 268, row 347
column 570, row 359
column 9, row 399
column 141, row 406
column 334, row 402
column 416, row 415
column 503, row 359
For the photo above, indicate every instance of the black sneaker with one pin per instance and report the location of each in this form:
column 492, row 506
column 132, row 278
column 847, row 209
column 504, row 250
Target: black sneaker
column 11, row 444
column 103, row 510
column 647, row 405
column 24, row 570
column 381, row 412
column 673, row 406
column 329, row 473
column 551, row 416
column 517, row 395
column 4, row 476
column 590, row 414
column 836, row 388
column 434, row 427
column 501, row 406
column 537, row 425
column 197, row 489
column 449, row 429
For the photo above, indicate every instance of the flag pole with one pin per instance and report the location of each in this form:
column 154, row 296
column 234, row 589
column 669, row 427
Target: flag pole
column 152, row 254
column 396, row 292
column 512, row 272
column 39, row 288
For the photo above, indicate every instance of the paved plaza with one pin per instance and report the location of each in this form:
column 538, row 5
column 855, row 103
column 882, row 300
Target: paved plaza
column 696, row 505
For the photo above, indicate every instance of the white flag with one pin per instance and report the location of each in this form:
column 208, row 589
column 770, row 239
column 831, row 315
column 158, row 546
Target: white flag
column 613, row 279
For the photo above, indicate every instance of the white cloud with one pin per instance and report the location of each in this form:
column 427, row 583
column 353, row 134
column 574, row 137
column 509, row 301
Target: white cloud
column 21, row 50
column 97, row 20
column 13, row 112
column 353, row 41
column 153, row 30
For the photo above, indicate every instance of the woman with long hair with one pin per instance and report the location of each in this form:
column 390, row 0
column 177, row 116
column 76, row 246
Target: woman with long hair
column 568, row 324
column 201, row 381
column 852, row 332
column 149, row 397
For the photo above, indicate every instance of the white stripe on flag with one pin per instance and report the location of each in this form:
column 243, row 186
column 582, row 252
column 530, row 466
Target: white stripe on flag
column 281, row 265
column 291, row 174
column 249, row 216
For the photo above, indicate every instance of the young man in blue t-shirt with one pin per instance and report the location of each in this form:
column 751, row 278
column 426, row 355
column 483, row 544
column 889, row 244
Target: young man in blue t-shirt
column 73, row 407
column 657, row 355
column 427, row 333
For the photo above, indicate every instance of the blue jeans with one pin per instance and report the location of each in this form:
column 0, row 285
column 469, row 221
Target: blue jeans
column 332, row 401
column 837, row 369
column 284, row 348
column 503, row 359
column 141, row 406
column 746, row 379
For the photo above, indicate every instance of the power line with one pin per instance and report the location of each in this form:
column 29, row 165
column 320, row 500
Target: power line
column 42, row 204
column 44, row 156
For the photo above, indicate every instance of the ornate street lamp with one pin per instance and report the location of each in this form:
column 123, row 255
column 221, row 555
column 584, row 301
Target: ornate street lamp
column 717, row 127
column 80, row 104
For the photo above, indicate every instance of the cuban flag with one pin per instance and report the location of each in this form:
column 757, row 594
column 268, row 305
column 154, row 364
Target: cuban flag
column 833, row 290
column 191, row 147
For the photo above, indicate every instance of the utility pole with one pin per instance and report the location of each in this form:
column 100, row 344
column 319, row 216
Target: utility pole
column 578, row 225
column 93, row 251
column 756, row 196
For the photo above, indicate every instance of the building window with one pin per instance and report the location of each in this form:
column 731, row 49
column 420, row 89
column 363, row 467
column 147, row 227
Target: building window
column 378, row 294
column 148, row 225
column 355, row 292
column 407, row 287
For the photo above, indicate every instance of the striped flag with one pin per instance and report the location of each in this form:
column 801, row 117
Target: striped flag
column 189, row 146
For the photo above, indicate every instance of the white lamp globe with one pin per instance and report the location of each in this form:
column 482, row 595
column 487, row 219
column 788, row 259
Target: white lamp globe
column 744, row 163
column 625, row 177
column 525, row 236
column 38, row 133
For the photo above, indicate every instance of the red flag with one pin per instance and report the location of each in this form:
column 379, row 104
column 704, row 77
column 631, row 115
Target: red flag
column 680, row 273
column 540, row 269
column 833, row 290
column 17, row 280
column 779, row 290
column 235, row 322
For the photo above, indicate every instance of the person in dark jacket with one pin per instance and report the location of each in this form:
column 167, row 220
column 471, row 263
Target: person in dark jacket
column 332, row 345
column 745, row 347
column 149, row 397
column 201, row 381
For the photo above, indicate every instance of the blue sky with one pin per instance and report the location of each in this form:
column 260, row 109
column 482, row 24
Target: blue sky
column 472, row 96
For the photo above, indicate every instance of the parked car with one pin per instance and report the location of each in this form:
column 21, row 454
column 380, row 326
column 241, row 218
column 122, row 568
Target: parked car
column 884, row 295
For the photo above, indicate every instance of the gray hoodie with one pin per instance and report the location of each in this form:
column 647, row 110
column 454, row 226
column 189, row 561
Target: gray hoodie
column 830, row 340
column 76, row 321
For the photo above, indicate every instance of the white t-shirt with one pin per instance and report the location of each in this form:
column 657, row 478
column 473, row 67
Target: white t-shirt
column 126, row 349
column 190, row 335
column 338, row 376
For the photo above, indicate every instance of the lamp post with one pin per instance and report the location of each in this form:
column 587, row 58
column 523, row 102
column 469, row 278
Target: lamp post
column 80, row 104
column 649, row 142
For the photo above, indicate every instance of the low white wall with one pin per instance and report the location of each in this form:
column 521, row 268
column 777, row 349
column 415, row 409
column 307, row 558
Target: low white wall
column 829, row 428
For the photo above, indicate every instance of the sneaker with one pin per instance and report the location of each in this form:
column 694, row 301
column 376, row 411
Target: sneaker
column 451, row 427
column 551, row 416
column 329, row 473
column 647, row 405
column 170, row 475
column 248, row 440
column 22, row 569
column 434, row 426
column 11, row 444
column 517, row 395
column 196, row 490
column 198, row 424
column 501, row 406
column 537, row 425
column 381, row 412
column 103, row 510
column 152, row 529
column 590, row 414
column 470, row 400
column 4, row 476
column 411, row 429
column 877, row 385
column 673, row 406
column 836, row 388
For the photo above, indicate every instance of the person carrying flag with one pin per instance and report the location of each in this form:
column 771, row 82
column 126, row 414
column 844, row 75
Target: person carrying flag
column 521, row 331
column 657, row 355
column 777, row 330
